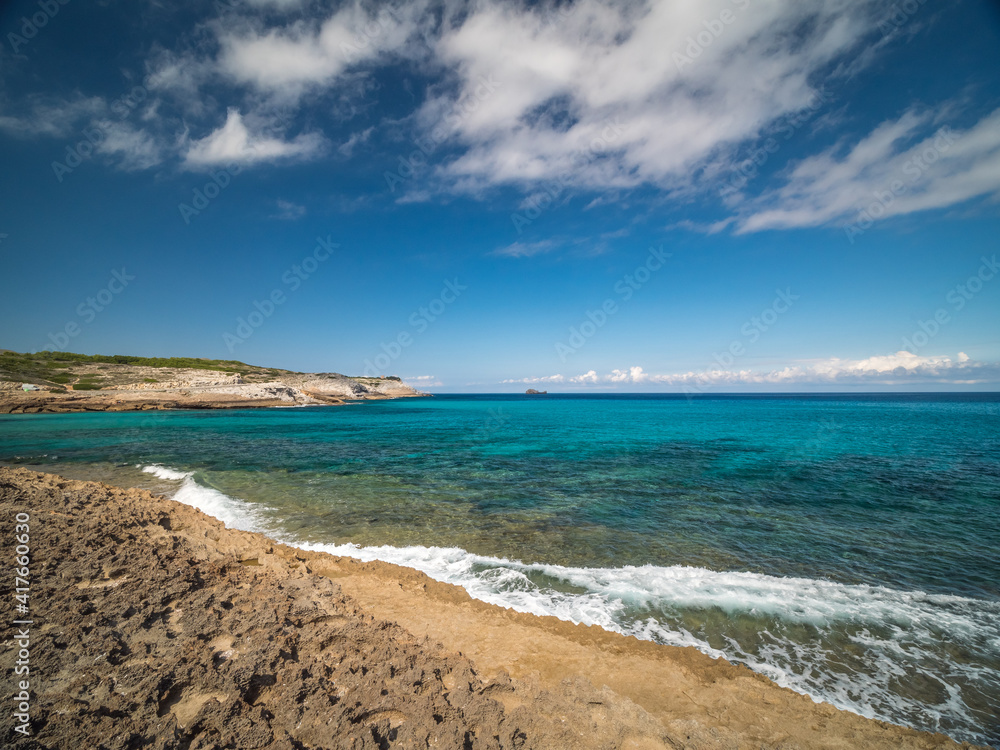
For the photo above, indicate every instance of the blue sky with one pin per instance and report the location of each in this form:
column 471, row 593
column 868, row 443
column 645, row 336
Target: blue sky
column 702, row 196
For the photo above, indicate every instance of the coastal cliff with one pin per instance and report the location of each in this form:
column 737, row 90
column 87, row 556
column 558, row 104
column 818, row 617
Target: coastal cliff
column 50, row 382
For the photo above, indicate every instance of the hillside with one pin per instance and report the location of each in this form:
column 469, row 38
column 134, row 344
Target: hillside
column 81, row 382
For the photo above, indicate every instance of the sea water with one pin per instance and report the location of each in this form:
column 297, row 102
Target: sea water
column 844, row 546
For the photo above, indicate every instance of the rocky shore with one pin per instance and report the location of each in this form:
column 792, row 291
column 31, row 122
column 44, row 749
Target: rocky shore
column 133, row 389
column 155, row 626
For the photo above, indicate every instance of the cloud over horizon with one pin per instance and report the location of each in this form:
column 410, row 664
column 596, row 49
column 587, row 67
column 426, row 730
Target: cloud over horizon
column 900, row 368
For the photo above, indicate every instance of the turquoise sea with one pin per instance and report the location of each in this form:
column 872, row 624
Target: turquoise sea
column 844, row 545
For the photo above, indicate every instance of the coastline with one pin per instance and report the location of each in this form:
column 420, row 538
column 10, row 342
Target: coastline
column 100, row 552
column 199, row 389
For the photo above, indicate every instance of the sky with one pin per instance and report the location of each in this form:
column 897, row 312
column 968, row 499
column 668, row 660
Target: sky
column 711, row 196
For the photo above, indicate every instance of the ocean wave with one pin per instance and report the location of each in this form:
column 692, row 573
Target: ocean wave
column 848, row 645
column 236, row 514
column 162, row 472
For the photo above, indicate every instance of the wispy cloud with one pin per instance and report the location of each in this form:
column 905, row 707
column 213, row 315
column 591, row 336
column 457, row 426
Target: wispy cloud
column 594, row 94
column 348, row 146
column 687, row 83
column 49, row 116
column 904, row 165
column 295, row 57
column 277, row 4
column 901, row 368
column 289, row 211
column 525, row 249
column 423, row 381
column 132, row 148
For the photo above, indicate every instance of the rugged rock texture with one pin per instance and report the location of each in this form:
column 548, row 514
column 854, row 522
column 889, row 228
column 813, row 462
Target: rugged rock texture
column 154, row 626
column 203, row 389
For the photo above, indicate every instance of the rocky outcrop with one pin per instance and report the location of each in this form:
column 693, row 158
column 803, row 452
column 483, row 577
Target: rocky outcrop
column 196, row 380
column 206, row 389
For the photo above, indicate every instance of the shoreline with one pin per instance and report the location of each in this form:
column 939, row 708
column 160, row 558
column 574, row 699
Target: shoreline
column 55, row 384
column 672, row 696
column 243, row 396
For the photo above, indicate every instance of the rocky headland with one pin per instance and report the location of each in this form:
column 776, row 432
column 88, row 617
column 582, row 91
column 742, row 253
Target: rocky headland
column 47, row 384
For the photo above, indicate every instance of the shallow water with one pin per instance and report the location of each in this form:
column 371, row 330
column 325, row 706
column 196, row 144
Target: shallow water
column 844, row 546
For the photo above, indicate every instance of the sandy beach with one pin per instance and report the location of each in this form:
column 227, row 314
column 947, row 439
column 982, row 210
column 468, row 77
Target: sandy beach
column 153, row 625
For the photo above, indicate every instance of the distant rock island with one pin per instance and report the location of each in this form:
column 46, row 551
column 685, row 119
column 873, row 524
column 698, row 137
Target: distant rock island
column 533, row 392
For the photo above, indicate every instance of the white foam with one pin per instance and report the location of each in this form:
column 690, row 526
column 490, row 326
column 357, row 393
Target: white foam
column 898, row 632
column 913, row 624
column 162, row 472
column 236, row 514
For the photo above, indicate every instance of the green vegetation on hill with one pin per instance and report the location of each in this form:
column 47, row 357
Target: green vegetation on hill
column 61, row 359
column 57, row 368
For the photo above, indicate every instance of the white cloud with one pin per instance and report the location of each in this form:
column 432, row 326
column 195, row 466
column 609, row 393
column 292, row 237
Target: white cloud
column 348, row 146
column 44, row 116
column 901, row 368
column 902, row 166
column 291, row 58
column 289, row 211
column 591, row 94
column 545, row 379
column 233, row 142
column 133, row 148
column 620, row 94
column 525, row 249
column 84, row 119
column 594, row 93
column 278, row 4
column 423, row 381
